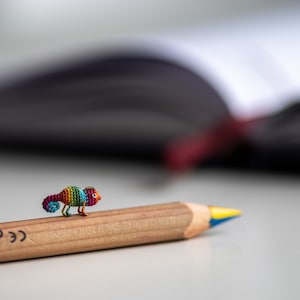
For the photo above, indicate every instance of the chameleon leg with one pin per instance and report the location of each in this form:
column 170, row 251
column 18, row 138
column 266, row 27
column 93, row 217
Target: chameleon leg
column 83, row 213
column 63, row 211
column 67, row 211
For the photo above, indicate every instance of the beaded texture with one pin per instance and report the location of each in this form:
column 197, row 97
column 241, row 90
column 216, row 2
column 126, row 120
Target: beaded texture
column 72, row 196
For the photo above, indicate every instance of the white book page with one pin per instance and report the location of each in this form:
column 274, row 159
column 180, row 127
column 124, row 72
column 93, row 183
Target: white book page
column 254, row 63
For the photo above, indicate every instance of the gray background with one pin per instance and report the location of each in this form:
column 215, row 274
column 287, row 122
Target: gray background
column 32, row 30
column 253, row 257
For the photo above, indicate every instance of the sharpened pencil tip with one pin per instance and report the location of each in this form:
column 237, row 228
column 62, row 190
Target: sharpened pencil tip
column 222, row 214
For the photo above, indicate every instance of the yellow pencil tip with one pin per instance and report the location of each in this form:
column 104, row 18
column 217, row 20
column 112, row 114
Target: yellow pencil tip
column 218, row 212
column 222, row 214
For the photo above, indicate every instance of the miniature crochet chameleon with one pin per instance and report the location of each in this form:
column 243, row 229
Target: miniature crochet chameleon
column 72, row 196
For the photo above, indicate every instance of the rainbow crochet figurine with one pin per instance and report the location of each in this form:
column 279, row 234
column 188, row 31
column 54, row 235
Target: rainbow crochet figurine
column 72, row 196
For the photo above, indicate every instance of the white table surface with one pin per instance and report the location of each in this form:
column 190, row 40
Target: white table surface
column 256, row 256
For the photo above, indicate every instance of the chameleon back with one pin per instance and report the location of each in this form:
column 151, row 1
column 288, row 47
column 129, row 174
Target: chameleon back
column 73, row 195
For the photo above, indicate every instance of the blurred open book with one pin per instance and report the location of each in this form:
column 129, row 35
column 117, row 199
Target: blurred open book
column 187, row 97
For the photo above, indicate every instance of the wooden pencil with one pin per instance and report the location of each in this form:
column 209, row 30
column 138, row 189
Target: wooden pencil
column 107, row 229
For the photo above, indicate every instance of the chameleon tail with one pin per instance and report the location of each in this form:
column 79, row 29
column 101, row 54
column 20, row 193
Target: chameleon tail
column 50, row 204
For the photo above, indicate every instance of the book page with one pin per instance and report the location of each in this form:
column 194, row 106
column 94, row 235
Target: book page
column 254, row 63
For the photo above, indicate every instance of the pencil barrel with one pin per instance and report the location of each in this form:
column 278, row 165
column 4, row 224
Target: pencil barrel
column 99, row 230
